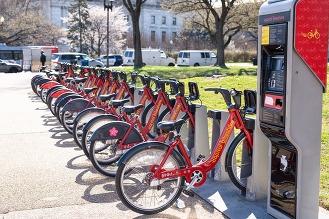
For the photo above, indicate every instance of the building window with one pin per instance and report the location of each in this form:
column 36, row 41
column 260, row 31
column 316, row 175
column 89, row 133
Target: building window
column 163, row 36
column 174, row 36
column 164, row 20
column 153, row 36
column 174, row 21
column 152, row 19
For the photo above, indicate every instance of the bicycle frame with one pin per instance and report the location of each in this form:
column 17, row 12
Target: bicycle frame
column 234, row 120
column 180, row 106
column 120, row 94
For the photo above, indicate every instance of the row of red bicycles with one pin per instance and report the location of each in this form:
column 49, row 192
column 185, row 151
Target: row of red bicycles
column 144, row 144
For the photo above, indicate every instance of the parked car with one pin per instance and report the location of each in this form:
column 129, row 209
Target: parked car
column 78, row 58
column 10, row 67
column 150, row 57
column 196, row 58
column 114, row 60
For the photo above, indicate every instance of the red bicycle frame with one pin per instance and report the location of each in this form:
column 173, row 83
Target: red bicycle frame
column 234, row 120
column 180, row 106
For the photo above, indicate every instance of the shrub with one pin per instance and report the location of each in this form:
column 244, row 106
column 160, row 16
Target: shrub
column 240, row 56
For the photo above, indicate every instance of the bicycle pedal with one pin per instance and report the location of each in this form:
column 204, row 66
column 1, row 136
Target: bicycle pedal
column 200, row 158
column 189, row 193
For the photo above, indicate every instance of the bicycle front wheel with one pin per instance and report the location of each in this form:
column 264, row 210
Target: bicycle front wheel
column 102, row 154
column 239, row 162
column 133, row 181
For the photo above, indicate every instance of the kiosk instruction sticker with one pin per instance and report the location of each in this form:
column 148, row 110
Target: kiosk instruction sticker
column 274, row 34
column 265, row 35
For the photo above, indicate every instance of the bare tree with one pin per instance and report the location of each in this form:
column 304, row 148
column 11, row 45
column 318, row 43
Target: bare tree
column 134, row 8
column 219, row 18
column 22, row 23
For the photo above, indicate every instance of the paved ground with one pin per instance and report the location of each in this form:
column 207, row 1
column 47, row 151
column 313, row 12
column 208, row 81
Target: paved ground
column 45, row 175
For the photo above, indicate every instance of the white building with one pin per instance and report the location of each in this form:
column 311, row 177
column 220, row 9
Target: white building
column 158, row 27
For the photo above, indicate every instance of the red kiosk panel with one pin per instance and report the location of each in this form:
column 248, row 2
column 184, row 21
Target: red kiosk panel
column 311, row 36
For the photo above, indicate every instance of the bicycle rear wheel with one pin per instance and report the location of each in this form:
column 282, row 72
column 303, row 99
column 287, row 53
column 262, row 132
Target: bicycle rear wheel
column 91, row 127
column 102, row 154
column 239, row 162
column 133, row 180
column 81, row 120
column 67, row 119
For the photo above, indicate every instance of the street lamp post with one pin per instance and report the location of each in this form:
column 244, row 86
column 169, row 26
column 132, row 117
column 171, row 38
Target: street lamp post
column 108, row 4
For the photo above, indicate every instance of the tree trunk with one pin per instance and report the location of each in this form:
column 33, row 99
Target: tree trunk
column 220, row 49
column 135, row 14
column 220, row 42
column 137, row 42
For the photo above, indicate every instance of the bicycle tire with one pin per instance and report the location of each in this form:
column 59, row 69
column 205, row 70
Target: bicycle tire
column 50, row 103
column 81, row 120
column 135, row 169
column 91, row 126
column 33, row 81
column 67, row 118
column 103, row 156
column 233, row 162
column 58, row 108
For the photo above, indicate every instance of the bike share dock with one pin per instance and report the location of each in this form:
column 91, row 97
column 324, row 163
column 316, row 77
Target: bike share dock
column 292, row 76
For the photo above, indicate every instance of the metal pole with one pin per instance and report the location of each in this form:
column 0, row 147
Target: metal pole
column 108, row 41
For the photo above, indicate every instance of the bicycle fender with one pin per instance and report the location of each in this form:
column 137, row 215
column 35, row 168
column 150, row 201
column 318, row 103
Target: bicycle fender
column 150, row 144
column 110, row 117
column 49, row 84
column 117, row 130
column 60, row 97
column 91, row 112
column 42, row 81
column 67, row 99
column 57, row 93
column 78, row 104
column 54, row 89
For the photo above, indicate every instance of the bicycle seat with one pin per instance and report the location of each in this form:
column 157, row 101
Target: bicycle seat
column 68, row 80
column 106, row 97
column 117, row 103
column 170, row 125
column 131, row 109
column 89, row 90
column 79, row 80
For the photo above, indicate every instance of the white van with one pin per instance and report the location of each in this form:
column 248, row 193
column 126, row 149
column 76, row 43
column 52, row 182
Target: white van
column 150, row 57
column 196, row 58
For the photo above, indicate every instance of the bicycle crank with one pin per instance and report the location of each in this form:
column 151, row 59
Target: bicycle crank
column 197, row 177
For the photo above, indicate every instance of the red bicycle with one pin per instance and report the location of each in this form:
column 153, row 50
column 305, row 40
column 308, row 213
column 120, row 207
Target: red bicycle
column 152, row 175
column 110, row 141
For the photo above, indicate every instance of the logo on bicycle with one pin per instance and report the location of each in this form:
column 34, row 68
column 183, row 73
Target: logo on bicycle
column 113, row 131
column 222, row 142
column 311, row 35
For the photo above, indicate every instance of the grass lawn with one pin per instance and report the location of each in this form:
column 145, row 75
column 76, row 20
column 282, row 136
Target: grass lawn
column 166, row 72
column 241, row 78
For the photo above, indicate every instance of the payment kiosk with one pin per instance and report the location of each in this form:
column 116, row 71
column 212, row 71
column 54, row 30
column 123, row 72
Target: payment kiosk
column 292, row 76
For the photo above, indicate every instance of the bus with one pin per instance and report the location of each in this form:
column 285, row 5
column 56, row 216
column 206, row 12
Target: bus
column 15, row 54
column 11, row 54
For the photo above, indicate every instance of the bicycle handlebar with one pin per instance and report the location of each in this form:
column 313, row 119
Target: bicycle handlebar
column 225, row 93
column 236, row 95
